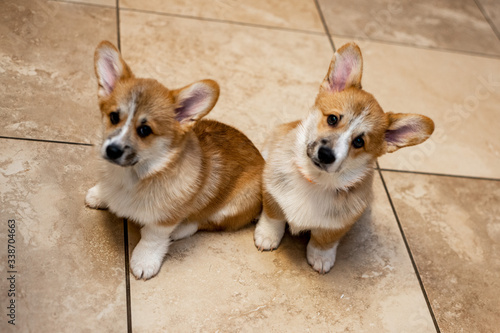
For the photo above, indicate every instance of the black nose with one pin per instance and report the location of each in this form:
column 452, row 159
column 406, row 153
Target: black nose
column 114, row 152
column 326, row 155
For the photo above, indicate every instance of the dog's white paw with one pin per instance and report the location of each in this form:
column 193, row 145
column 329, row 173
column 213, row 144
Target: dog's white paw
column 146, row 261
column 321, row 260
column 268, row 233
column 93, row 199
column 148, row 255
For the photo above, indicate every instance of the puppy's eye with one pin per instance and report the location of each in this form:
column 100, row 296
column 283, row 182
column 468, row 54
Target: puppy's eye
column 332, row 120
column 144, row 130
column 114, row 117
column 358, row 142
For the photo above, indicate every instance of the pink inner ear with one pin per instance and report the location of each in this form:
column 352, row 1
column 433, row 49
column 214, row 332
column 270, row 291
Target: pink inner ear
column 396, row 135
column 340, row 76
column 109, row 72
column 344, row 66
column 192, row 105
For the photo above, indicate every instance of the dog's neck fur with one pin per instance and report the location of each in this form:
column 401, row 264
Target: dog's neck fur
column 362, row 183
column 184, row 153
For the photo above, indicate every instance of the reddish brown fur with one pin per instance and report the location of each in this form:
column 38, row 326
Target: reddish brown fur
column 325, row 238
column 243, row 165
column 271, row 207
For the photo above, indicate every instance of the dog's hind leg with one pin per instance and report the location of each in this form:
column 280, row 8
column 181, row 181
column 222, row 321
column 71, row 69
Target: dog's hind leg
column 271, row 226
column 184, row 230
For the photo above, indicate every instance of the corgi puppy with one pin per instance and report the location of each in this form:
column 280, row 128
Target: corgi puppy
column 164, row 167
column 319, row 171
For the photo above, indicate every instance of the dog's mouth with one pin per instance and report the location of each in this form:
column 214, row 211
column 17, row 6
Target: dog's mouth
column 317, row 163
column 312, row 156
column 124, row 161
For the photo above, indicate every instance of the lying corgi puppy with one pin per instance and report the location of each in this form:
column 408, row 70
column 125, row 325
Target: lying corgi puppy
column 319, row 171
column 165, row 168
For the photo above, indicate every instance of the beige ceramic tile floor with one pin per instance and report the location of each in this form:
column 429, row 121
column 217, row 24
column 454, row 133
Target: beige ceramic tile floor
column 427, row 257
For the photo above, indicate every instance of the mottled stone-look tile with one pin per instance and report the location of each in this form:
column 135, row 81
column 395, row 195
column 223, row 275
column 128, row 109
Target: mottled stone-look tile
column 47, row 78
column 449, row 24
column 461, row 93
column 266, row 77
column 294, row 14
column 453, row 228
column 219, row 281
column 69, row 259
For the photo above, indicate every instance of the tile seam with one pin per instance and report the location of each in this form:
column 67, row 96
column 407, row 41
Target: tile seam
column 410, row 254
column 428, row 48
column 47, row 141
column 488, row 19
column 127, row 275
column 325, row 26
column 207, row 19
column 441, row 174
column 84, row 4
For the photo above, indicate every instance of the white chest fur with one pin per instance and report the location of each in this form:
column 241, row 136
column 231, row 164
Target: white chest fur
column 308, row 206
column 145, row 201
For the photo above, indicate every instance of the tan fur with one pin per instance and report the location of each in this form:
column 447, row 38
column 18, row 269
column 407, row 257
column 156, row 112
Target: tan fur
column 188, row 170
column 241, row 174
column 271, row 207
column 324, row 238
column 312, row 191
column 355, row 101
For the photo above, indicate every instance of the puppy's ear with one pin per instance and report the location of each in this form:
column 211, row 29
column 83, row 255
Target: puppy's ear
column 194, row 101
column 406, row 129
column 345, row 69
column 109, row 68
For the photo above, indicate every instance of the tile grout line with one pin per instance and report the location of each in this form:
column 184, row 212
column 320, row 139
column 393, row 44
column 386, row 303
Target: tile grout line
column 48, row 141
column 440, row 174
column 84, row 4
column 125, row 222
column 325, row 26
column 118, row 36
column 410, row 254
column 488, row 19
column 127, row 275
column 207, row 19
column 436, row 49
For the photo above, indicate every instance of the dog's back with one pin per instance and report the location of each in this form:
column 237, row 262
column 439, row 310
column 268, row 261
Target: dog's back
column 234, row 167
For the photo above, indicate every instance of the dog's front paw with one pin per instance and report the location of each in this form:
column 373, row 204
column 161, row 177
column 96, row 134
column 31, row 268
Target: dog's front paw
column 268, row 233
column 93, row 199
column 321, row 260
column 145, row 263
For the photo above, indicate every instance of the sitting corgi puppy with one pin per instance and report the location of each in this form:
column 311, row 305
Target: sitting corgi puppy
column 319, row 171
column 165, row 168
